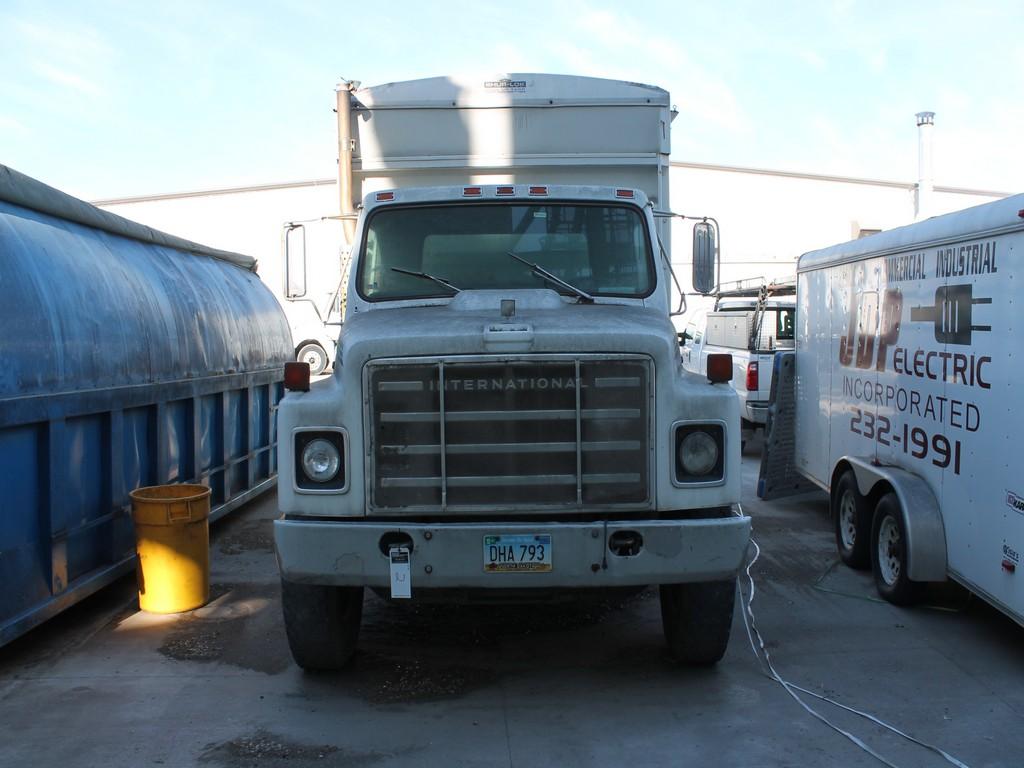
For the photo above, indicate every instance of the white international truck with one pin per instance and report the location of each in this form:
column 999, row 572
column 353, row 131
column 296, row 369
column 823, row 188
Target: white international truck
column 900, row 402
column 752, row 321
column 509, row 415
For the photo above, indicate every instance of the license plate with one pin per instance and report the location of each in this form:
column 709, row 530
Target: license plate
column 515, row 553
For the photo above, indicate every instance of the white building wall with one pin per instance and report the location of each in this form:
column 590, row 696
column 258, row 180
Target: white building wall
column 247, row 220
column 767, row 218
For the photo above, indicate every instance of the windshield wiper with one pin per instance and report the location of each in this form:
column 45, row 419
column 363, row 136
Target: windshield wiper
column 425, row 276
column 540, row 272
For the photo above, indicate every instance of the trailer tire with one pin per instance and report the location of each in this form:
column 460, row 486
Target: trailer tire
column 889, row 553
column 697, row 620
column 315, row 355
column 852, row 519
column 322, row 623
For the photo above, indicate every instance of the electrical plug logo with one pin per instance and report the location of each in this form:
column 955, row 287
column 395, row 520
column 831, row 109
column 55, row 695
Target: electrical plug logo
column 952, row 314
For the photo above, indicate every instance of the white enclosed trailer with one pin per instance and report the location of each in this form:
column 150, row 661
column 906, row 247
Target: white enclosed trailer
column 908, row 355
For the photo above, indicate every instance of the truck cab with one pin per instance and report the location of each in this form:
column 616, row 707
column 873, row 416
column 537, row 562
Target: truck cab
column 509, row 411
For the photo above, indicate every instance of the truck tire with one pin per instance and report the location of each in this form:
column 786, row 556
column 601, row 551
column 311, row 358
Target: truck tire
column 889, row 553
column 697, row 619
column 315, row 355
column 852, row 520
column 322, row 623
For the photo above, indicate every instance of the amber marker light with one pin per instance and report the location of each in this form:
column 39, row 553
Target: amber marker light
column 719, row 368
column 296, row 377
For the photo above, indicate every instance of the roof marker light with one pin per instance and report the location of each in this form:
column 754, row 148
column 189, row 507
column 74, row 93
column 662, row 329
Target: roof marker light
column 383, row 197
column 505, row 191
column 627, row 193
column 471, row 191
column 538, row 190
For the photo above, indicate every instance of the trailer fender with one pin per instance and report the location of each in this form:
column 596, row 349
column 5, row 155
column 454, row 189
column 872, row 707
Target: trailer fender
column 922, row 517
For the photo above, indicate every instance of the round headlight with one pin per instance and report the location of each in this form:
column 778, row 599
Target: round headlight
column 698, row 454
column 321, row 460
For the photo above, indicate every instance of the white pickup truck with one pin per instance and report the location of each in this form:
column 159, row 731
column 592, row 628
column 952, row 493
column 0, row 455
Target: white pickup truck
column 751, row 324
column 508, row 412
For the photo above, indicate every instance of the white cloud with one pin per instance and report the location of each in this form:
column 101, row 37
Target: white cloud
column 877, row 60
column 512, row 59
column 953, row 100
column 13, row 125
column 811, row 58
column 72, row 58
column 616, row 46
column 81, row 46
column 966, row 155
column 67, row 79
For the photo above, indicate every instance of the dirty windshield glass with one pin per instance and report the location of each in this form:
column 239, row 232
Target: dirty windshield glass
column 600, row 249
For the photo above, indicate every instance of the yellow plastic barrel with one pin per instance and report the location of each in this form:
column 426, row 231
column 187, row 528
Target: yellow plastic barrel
column 172, row 540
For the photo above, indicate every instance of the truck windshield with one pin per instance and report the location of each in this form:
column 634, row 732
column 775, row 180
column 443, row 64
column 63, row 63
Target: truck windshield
column 600, row 249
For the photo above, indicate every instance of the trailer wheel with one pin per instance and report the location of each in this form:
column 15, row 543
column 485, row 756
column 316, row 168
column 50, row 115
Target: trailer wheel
column 322, row 623
column 697, row 619
column 852, row 519
column 315, row 355
column 889, row 553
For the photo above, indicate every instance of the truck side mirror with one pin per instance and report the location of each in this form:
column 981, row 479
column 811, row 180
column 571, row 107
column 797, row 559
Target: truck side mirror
column 293, row 242
column 705, row 256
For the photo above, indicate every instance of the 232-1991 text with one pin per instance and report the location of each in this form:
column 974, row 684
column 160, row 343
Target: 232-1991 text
column 916, row 441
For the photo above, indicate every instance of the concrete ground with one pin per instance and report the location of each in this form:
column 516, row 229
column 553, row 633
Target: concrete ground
column 590, row 684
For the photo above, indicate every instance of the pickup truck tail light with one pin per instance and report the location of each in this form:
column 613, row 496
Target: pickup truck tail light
column 752, row 377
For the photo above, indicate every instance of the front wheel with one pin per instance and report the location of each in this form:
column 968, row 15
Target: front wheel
column 322, row 623
column 313, row 354
column 889, row 553
column 697, row 619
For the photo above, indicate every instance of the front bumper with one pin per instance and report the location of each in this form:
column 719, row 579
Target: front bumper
column 450, row 555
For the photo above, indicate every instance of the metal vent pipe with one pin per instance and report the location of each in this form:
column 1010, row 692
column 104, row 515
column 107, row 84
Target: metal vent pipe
column 925, row 182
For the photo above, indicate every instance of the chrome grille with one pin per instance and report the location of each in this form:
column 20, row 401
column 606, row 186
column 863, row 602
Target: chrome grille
column 484, row 434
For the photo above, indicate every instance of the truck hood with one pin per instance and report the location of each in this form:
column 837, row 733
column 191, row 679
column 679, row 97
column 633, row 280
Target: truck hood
column 472, row 323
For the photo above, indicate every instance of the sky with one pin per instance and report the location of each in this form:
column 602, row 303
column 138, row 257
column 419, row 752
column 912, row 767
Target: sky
column 113, row 98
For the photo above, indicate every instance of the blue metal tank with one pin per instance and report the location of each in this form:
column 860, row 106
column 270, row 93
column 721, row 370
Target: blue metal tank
column 128, row 357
